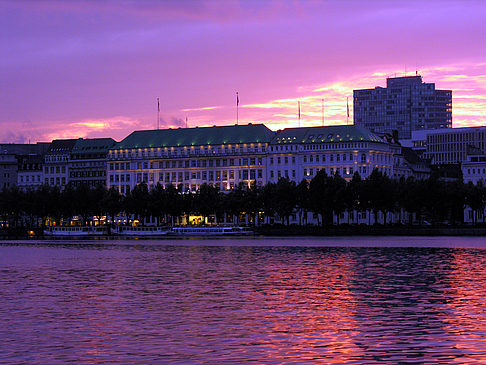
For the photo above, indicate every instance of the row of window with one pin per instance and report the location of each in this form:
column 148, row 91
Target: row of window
column 188, row 163
column 167, row 177
column 79, row 174
column 56, row 158
column 184, row 151
column 88, row 164
column 30, row 178
column 125, row 189
column 56, row 169
column 55, row 181
column 479, row 171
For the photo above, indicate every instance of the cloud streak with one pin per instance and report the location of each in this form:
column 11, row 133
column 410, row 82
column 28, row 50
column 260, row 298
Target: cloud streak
column 96, row 68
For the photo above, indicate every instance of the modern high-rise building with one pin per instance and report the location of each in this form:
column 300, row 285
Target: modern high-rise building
column 406, row 104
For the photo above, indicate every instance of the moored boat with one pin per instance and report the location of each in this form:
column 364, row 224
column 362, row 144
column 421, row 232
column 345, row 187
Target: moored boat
column 142, row 231
column 211, row 231
column 75, row 231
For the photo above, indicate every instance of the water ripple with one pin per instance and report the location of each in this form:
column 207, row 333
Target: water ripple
column 210, row 304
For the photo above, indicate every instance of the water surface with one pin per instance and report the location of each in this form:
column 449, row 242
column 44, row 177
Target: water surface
column 271, row 301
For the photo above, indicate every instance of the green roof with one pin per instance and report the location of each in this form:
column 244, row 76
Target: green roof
column 337, row 133
column 217, row 135
column 93, row 145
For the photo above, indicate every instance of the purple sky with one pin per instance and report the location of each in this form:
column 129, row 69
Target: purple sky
column 95, row 68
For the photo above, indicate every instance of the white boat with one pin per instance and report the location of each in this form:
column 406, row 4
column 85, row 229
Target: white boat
column 75, row 231
column 211, row 231
column 142, row 231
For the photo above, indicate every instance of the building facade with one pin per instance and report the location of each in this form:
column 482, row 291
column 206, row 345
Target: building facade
column 223, row 157
column 405, row 104
column 56, row 162
column 474, row 169
column 11, row 155
column 8, row 170
column 29, row 174
column 452, row 146
column 300, row 153
column 87, row 161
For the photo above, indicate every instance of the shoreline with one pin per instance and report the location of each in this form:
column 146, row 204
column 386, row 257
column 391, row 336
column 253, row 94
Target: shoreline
column 284, row 231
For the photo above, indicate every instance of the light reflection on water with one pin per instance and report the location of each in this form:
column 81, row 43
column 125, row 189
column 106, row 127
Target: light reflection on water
column 233, row 301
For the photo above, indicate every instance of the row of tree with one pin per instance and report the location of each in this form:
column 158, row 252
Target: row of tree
column 431, row 200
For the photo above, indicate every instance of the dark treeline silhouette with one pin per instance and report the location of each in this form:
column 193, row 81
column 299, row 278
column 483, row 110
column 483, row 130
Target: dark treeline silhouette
column 431, row 201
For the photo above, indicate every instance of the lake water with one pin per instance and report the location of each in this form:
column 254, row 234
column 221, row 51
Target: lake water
column 263, row 300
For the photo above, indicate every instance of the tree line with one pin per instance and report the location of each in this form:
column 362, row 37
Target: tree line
column 431, row 200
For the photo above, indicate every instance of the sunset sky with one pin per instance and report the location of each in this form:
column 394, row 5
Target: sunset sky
column 95, row 68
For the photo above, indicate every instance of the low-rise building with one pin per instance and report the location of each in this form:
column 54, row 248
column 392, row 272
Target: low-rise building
column 56, row 162
column 87, row 161
column 8, row 170
column 30, row 172
column 10, row 155
column 474, row 169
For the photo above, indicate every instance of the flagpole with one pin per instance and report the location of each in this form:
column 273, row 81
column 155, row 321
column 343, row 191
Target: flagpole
column 347, row 109
column 158, row 113
column 237, row 106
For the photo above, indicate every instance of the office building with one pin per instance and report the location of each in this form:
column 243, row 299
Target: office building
column 452, row 146
column 406, row 104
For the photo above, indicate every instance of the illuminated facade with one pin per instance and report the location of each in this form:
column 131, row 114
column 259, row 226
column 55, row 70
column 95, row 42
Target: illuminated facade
column 300, row 153
column 226, row 156
column 223, row 157
column 406, row 104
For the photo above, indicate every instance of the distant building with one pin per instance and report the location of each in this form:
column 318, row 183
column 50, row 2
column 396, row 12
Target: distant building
column 87, row 161
column 56, row 159
column 409, row 164
column 10, row 156
column 406, row 104
column 30, row 172
column 452, row 146
column 474, row 169
column 222, row 156
column 8, row 170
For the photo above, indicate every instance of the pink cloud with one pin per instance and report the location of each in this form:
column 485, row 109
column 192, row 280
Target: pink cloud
column 65, row 63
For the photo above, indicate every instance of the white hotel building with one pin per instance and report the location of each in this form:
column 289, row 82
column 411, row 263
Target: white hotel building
column 226, row 156
column 223, row 157
column 300, row 153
